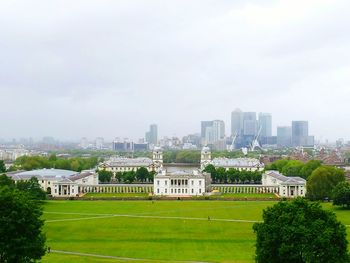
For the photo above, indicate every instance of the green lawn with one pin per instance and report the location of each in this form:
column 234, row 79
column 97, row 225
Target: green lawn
column 111, row 195
column 155, row 231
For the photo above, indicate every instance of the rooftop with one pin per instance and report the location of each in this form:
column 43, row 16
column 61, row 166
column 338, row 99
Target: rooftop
column 237, row 162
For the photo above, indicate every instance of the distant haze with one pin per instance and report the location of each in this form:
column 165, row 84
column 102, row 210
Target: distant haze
column 78, row 68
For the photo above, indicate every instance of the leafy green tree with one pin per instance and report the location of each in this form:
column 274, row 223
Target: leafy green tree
column 21, row 237
column 104, row 176
column 212, row 170
column 322, row 182
column 309, row 167
column 341, row 194
column 2, row 166
column 298, row 232
column 6, row 181
column 293, row 168
column 142, row 174
column 32, row 188
column 129, row 177
column 277, row 165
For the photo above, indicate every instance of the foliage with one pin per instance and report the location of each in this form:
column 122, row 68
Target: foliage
column 21, row 237
column 2, row 166
column 322, row 182
column 104, row 176
column 39, row 162
column 341, row 194
column 300, row 231
column 294, row 167
column 221, row 175
column 32, row 188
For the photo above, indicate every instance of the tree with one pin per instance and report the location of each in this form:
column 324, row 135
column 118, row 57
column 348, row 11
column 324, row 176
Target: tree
column 341, row 194
column 309, row 167
column 277, row 165
column 32, row 188
column 322, row 182
column 2, row 166
column 212, row 170
column 298, row 231
column 21, row 237
column 104, row 176
column 142, row 174
column 6, row 181
column 293, row 168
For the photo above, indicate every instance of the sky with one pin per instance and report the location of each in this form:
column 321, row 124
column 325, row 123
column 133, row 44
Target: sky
column 72, row 69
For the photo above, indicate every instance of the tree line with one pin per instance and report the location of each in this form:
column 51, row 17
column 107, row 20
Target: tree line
column 22, row 238
column 232, row 176
column 40, row 162
column 142, row 175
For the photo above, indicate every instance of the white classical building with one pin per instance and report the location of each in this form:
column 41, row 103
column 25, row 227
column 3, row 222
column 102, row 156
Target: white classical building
column 288, row 186
column 249, row 164
column 179, row 183
column 123, row 164
column 58, row 182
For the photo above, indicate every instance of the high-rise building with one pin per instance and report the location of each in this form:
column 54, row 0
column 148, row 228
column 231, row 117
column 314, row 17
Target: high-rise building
column 265, row 124
column 284, row 136
column 249, row 124
column 236, row 122
column 152, row 134
column 212, row 131
column 300, row 133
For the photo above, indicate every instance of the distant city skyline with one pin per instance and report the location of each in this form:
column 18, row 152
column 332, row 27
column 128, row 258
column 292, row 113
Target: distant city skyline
column 73, row 69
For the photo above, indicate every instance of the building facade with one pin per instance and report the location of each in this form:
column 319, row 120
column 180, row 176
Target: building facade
column 179, row 183
column 290, row 187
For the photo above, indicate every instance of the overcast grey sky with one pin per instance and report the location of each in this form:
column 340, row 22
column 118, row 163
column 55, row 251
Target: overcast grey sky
column 110, row 68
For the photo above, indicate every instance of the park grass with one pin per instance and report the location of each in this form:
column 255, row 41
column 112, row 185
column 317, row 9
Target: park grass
column 245, row 195
column 160, row 230
column 111, row 195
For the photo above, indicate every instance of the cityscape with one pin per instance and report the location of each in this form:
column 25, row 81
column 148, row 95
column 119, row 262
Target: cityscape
column 174, row 131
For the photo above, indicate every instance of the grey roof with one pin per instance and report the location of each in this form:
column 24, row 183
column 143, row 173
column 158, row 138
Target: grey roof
column 125, row 162
column 44, row 174
column 81, row 176
column 237, row 162
column 286, row 180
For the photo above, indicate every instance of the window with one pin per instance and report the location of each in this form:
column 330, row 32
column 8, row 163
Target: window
column 157, row 182
column 166, row 190
column 186, row 191
column 157, row 191
column 192, row 190
column 175, row 191
column 200, row 182
column 183, row 190
column 301, row 192
column 171, row 190
column 166, row 182
column 72, row 190
column 192, row 182
column 200, row 190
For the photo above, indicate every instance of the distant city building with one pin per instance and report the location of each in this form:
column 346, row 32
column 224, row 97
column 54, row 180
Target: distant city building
column 237, row 122
column 250, row 125
column 84, row 143
column 212, row 131
column 265, row 123
column 300, row 134
column 284, row 136
column 152, row 135
column 99, row 143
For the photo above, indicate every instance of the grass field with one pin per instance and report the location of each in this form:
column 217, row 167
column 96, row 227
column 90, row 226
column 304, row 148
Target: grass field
column 155, row 231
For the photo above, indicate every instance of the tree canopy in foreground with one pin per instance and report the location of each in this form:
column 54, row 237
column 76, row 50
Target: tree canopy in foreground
column 21, row 237
column 299, row 231
column 341, row 194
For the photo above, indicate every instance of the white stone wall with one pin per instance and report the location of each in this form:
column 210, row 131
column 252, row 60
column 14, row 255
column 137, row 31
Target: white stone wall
column 195, row 186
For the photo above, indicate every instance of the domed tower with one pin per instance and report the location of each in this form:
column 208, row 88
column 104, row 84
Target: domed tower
column 157, row 157
column 205, row 157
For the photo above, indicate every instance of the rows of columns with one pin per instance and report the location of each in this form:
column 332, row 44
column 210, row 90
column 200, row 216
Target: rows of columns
column 247, row 189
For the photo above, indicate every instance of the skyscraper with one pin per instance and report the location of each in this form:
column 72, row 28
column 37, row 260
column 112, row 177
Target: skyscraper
column 249, row 123
column 300, row 133
column 204, row 126
column 212, row 131
column 284, row 136
column 265, row 123
column 236, row 122
column 218, row 130
column 152, row 134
